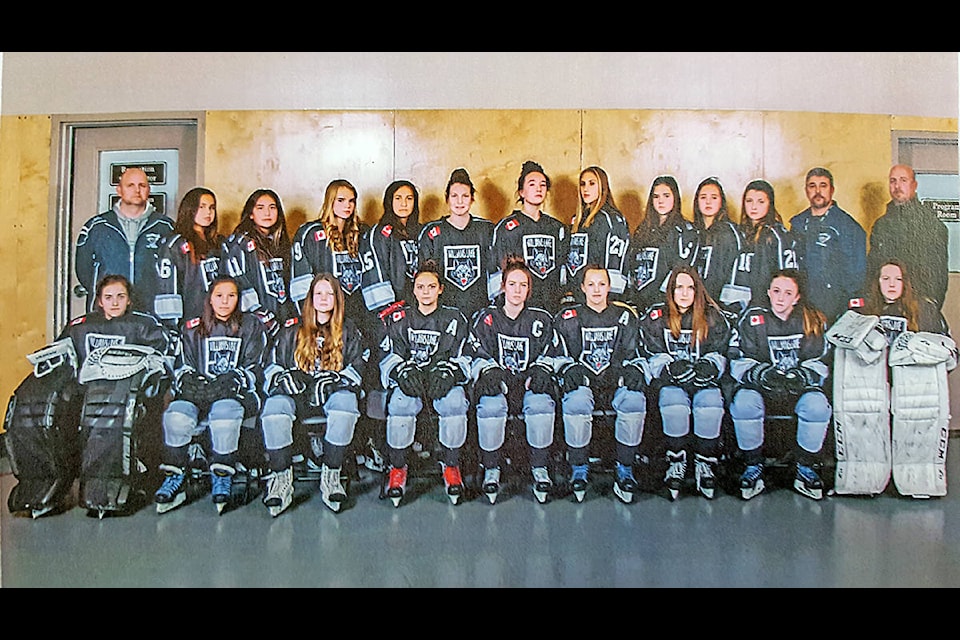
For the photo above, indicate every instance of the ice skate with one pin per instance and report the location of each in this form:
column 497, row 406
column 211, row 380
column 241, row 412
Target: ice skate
column 578, row 480
column 808, row 482
column 676, row 472
column 452, row 482
column 221, row 481
column 751, row 481
column 279, row 491
column 331, row 489
column 625, row 484
column 491, row 484
column 542, row 484
column 172, row 493
column 397, row 484
column 706, row 476
column 374, row 461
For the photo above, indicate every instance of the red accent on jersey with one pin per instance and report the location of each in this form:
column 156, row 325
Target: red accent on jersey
column 190, row 324
column 656, row 313
column 393, row 307
column 569, row 313
column 855, row 303
column 398, row 315
column 756, row 320
column 291, row 322
column 387, row 230
column 185, row 247
column 512, row 224
column 434, row 232
column 251, row 246
column 488, row 320
column 78, row 320
column 320, row 235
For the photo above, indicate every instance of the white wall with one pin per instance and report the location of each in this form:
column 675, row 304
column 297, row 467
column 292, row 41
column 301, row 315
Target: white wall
column 901, row 83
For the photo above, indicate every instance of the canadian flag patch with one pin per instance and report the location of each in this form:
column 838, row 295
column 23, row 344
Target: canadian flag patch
column 756, row 320
column 512, row 224
column 251, row 245
column 656, row 313
column 488, row 320
column 434, row 232
column 398, row 315
column 320, row 235
column 185, row 247
column 290, row 322
column 78, row 320
column 190, row 324
column 855, row 303
column 569, row 313
column 387, row 230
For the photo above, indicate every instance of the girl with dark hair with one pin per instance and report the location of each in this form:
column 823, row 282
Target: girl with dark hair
column 189, row 260
column 662, row 240
column 313, row 369
column 425, row 357
column 720, row 241
column 767, row 246
column 257, row 254
column 684, row 342
column 540, row 239
column 217, row 381
column 891, row 296
column 513, row 375
column 778, row 362
column 390, row 248
column 599, row 234
column 460, row 244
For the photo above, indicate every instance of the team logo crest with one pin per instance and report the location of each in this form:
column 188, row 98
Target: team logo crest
column 785, row 351
column 539, row 252
column 222, row 355
column 646, row 270
column 411, row 253
column 598, row 343
column 153, row 240
column 210, row 268
column 577, row 259
column 892, row 326
column 98, row 340
column 461, row 265
column 681, row 348
column 514, row 352
column 423, row 344
column 347, row 270
column 272, row 274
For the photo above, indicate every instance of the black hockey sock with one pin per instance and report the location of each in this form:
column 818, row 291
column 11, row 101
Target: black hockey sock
column 540, row 457
column 707, row 447
column 489, row 459
column 626, row 454
column 450, row 457
column 333, row 455
column 279, row 459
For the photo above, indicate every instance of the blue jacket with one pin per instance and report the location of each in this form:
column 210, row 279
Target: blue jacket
column 102, row 250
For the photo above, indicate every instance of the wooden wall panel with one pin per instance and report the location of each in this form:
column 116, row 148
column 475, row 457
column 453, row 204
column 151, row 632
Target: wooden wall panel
column 24, row 187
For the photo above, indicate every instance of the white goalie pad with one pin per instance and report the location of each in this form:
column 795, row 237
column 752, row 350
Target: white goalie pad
column 923, row 347
column 861, row 423
column 118, row 362
column 860, row 333
column 53, row 355
column 921, row 423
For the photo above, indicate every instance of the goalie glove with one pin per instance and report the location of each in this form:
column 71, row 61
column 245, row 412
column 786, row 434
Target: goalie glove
column 442, row 377
column 323, row 386
column 409, row 378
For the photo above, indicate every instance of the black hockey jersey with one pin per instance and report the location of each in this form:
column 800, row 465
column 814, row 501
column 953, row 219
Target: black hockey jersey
column 604, row 242
column 544, row 246
column 281, row 356
column 893, row 320
column 312, row 254
column 264, row 286
column 653, row 253
column 464, row 259
column 760, row 258
column 442, row 335
column 603, row 342
column 659, row 348
column 391, row 265
column 512, row 344
column 717, row 257
column 182, row 284
column 763, row 337
column 94, row 330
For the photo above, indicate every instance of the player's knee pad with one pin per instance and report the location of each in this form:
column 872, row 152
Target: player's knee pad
column 179, row 423
column 707, row 413
column 813, row 418
column 675, row 411
column 538, row 403
column 402, row 405
column 225, row 419
column 377, row 404
column 628, row 428
column 492, row 407
column 452, row 430
column 276, row 421
column 453, row 404
column 747, row 405
column 341, row 426
column 343, row 401
column 539, row 430
column 401, row 431
column 577, row 430
column 491, row 430
column 627, row 401
column 578, row 402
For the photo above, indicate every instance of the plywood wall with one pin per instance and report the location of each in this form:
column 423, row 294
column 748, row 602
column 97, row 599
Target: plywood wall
column 297, row 153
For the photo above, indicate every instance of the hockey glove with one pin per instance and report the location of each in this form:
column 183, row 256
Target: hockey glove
column 442, row 377
column 705, row 374
column 491, row 382
column 291, row 383
column 680, row 372
column 409, row 378
column 324, row 384
column 229, row 385
column 269, row 321
column 633, row 377
column 192, row 388
column 802, row 380
column 540, row 380
column 755, row 376
column 573, row 377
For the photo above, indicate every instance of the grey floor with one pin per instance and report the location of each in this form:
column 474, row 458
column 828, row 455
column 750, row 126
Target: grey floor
column 779, row 539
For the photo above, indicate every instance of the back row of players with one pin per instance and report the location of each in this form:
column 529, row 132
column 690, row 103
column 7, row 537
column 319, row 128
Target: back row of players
column 314, row 354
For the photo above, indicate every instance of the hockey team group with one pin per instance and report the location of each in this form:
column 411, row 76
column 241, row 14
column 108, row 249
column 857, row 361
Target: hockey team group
column 208, row 362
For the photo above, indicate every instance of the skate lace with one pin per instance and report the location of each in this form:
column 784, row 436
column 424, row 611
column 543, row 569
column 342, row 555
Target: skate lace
column 398, row 477
column 579, row 472
column 171, row 484
column 677, row 469
column 491, row 476
column 752, row 473
column 807, row 474
column 624, row 472
column 540, row 475
column 220, row 485
column 704, row 469
column 451, row 476
column 278, row 484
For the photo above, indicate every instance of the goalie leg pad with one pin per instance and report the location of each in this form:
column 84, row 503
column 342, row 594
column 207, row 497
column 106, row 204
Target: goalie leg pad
column 921, row 414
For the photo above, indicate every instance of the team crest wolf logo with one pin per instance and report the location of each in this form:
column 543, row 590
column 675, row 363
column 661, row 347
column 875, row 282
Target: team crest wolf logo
column 222, row 355
column 347, row 270
column 681, row 347
column 578, row 253
column 785, row 351
column 461, row 265
column 646, row 269
column 540, row 254
column 97, row 340
column 272, row 274
column 597, row 347
column 423, row 344
column 514, row 352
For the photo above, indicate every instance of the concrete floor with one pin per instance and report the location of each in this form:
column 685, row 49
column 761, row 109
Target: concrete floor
column 779, row 539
